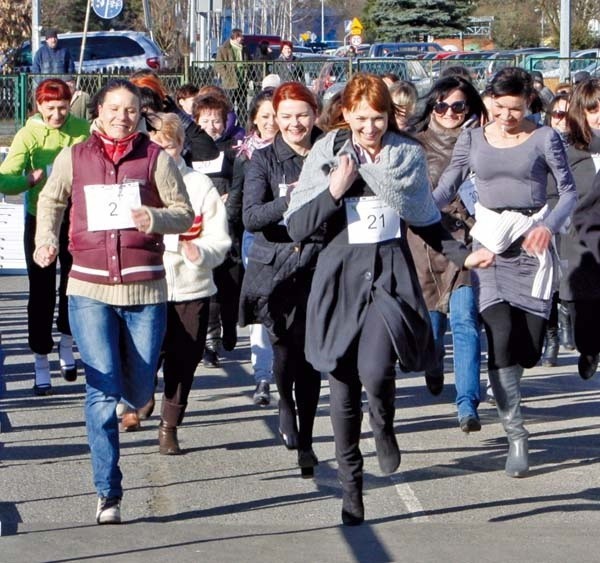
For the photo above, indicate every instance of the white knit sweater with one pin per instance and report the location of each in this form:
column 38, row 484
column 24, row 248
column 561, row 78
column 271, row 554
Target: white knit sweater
column 188, row 280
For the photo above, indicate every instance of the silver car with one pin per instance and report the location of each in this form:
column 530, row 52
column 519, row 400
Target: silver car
column 105, row 52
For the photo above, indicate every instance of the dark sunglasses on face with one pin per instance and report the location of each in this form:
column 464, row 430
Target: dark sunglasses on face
column 557, row 114
column 456, row 107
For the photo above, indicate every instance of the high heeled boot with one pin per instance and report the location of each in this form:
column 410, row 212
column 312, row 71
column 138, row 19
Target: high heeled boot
column 565, row 327
column 551, row 348
column 506, row 383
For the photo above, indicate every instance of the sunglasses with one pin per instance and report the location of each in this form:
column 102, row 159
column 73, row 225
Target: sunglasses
column 557, row 114
column 456, row 107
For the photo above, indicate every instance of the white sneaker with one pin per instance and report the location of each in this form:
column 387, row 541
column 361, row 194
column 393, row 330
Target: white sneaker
column 121, row 409
column 109, row 510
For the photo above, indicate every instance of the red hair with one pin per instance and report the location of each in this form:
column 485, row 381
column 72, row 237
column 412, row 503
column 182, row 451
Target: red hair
column 373, row 90
column 294, row 91
column 52, row 90
column 151, row 81
column 288, row 43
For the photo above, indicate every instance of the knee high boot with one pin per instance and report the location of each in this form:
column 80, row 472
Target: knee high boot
column 346, row 419
column 506, row 383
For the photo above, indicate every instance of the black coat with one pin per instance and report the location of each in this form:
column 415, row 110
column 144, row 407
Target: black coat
column 350, row 278
column 584, row 277
column 279, row 271
column 574, row 255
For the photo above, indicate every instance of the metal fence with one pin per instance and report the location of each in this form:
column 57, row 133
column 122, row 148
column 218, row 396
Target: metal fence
column 242, row 80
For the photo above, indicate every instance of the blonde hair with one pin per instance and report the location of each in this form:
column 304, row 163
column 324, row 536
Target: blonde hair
column 404, row 95
column 169, row 125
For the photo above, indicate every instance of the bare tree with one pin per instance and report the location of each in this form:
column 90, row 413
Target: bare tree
column 169, row 24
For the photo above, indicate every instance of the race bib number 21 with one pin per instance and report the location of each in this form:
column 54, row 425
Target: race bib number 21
column 371, row 220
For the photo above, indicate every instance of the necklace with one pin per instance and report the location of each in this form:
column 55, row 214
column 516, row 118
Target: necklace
column 506, row 135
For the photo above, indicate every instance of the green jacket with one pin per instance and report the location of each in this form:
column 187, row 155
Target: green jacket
column 36, row 146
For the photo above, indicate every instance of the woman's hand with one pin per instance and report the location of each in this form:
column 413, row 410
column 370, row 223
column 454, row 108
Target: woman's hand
column 537, row 240
column 45, row 255
column 481, row 258
column 190, row 250
column 342, row 177
column 141, row 219
column 35, row 176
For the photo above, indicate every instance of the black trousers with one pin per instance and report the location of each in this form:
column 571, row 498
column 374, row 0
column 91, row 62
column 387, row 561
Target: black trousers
column 514, row 336
column 369, row 363
column 182, row 350
column 584, row 317
column 42, row 289
column 298, row 383
column 224, row 305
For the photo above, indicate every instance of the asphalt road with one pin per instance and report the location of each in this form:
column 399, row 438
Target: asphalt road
column 236, row 495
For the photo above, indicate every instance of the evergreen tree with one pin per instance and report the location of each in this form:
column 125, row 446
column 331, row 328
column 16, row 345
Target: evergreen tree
column 396, row 20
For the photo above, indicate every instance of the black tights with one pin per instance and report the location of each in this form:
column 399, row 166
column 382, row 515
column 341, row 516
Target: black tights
column 514, row 336
column 369, row 362
column 298, row 385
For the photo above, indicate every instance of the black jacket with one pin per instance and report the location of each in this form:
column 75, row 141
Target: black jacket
column 576, row 259
column 279, row 272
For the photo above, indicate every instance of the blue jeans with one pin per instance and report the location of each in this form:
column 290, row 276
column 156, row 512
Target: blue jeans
column 261, row 352
column 464, row 324
column 119, row 348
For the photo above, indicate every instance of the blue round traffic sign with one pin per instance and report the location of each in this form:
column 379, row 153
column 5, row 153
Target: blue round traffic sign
column 107, row 9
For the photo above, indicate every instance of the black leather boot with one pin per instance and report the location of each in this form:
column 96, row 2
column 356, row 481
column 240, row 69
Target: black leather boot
column 565, row 327
column 506, row 383
column 551, row 349
column 353, row 509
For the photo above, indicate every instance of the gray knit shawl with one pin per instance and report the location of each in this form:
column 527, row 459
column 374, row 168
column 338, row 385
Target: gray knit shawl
column 399, row 177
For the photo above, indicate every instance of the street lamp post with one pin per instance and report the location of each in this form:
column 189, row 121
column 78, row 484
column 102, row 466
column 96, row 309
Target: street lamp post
column 322, row 21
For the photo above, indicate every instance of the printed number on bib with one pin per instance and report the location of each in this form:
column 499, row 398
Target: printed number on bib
column 209, row 166
column 468, row 194
column 371, row 220
column 109, row 206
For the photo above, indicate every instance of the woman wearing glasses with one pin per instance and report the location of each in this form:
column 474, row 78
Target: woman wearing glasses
column 451, row 106
column 512, row 158
column 579, row 289
column 556, row 116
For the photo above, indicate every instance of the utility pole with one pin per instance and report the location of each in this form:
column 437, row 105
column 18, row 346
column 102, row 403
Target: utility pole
column 35, row 27
column 565, row 40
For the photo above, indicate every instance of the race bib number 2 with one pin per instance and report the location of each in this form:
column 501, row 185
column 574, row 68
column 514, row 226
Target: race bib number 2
column 370, row 220
column 109, row 206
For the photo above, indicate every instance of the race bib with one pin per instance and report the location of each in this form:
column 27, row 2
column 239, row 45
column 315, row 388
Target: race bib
column 209, row 166
column 109, row 206
column 468, row 194
column 371, row 220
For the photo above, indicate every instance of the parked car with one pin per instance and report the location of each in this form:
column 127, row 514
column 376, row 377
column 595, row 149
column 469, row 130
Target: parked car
column 549, row 63
column 383, row 49
column 336, row 71
column 299, row 51
column 105, row 52
column 251, row 42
